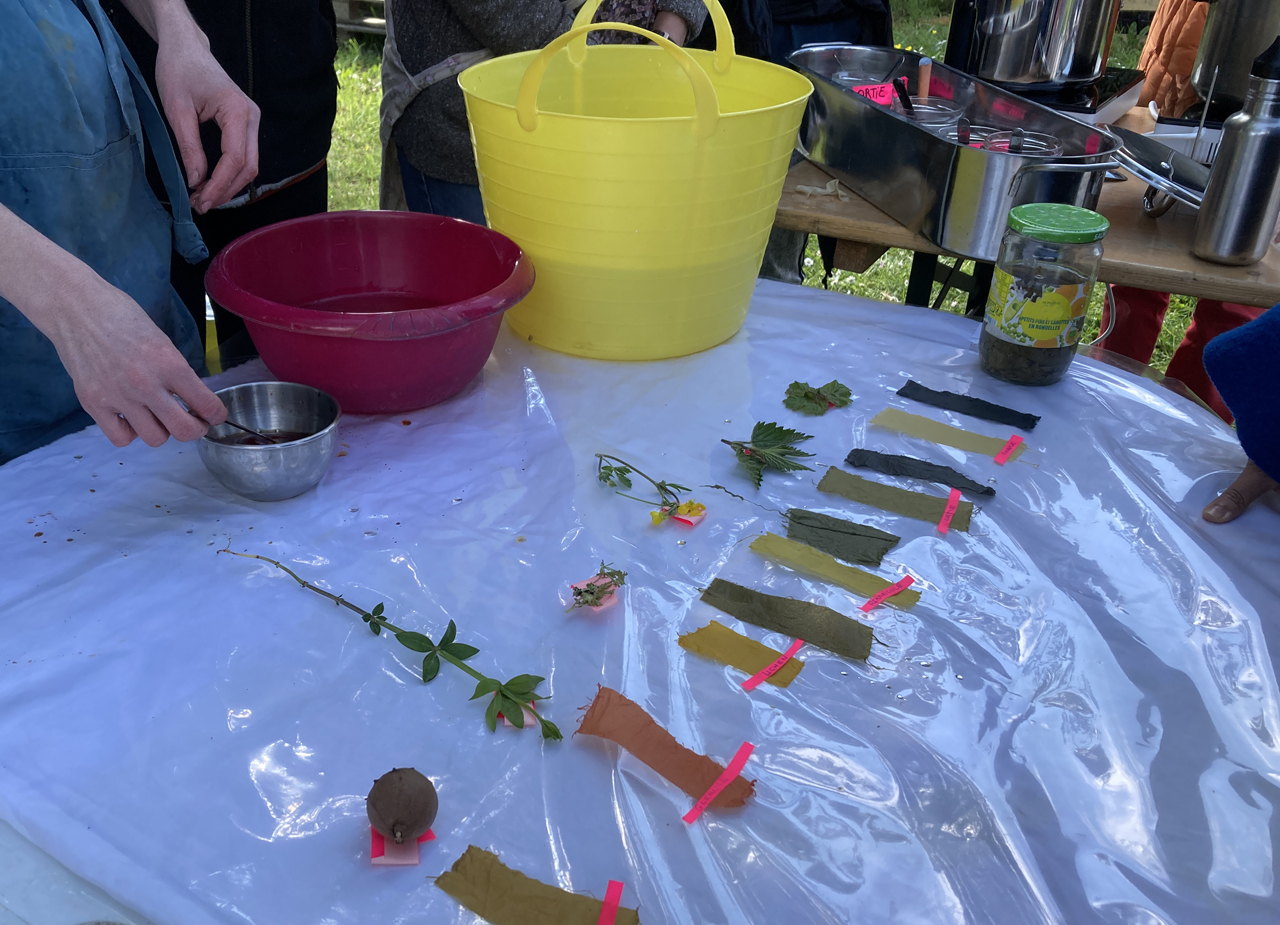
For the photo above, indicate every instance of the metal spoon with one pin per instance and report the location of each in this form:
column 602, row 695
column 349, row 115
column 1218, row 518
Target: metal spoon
column 228, row 421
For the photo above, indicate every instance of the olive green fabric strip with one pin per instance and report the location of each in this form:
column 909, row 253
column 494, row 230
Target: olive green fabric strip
column 843, row 539
column 811, row 561
column 504, row 896
column 913, row 425
column 897, row 500
column 716, row 641
column 816, row 625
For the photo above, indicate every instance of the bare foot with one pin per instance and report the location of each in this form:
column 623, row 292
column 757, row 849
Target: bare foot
column 1252, row 484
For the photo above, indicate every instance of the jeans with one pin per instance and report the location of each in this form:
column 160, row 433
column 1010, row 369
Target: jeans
column 439, row 197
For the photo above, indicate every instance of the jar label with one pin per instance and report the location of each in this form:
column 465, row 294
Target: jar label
column 1023, row 313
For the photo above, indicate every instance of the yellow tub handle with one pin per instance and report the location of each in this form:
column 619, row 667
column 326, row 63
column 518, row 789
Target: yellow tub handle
column 706, row 106
column 724, row 33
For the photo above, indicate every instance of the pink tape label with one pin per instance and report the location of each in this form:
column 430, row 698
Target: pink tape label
column 939, row 88
column 887, row 593
column 877, row 93
column 612, row 900
column 1007, row 450
column 383, row 853
column 953, row 504
column 724, row 780
column 769, row 670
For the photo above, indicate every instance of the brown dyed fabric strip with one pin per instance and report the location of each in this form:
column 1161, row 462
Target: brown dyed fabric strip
column 964, row 404
column 815, row 624
column 898, row 500
column 716, row 641
column 890, row 464
column 503, row 896
column 614, row 717
column 913, row 425
column 843, row 539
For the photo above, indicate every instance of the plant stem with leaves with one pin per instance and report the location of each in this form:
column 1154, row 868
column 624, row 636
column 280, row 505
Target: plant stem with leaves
column 510, row 699
column 770, row 447
column 619, row 476
column 599, row 586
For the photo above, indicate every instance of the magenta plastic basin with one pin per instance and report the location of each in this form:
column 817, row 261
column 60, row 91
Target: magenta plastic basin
column 385, row 311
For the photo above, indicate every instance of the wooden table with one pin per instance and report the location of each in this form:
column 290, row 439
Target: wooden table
column 1138, row 251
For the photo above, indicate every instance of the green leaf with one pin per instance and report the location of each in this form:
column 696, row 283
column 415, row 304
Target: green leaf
column 376, row 627
column 487, row 686
column 549, row 730
column 673, row 486
column 769, row 447
column 512, row 710
column 806, row 399
column 614, row 476
column 766, row 436
column 836, row 393
column 460, row 650
column 415, row 641
column 523, row 684
column 377, row 609
column 491, row 715
column 430, row 666
column 450, row 632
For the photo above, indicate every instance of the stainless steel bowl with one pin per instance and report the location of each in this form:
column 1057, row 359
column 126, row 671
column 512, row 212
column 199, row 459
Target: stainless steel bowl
column 280, row 470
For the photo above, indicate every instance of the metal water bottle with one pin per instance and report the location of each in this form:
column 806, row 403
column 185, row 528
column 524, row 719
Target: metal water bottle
column 1238, row 216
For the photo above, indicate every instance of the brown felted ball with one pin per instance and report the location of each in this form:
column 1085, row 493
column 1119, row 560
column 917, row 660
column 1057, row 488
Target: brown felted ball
column 402, row 805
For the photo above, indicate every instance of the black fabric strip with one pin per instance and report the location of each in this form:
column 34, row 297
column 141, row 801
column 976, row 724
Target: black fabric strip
column 974, row 407
column 911, row 467
column 843, row 539
column 815, row 624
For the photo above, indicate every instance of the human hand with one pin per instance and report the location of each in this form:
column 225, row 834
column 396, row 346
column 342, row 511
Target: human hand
column 193, row 89
column 1251, row 485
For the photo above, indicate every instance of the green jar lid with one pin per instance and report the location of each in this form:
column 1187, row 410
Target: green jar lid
column 1058, row 223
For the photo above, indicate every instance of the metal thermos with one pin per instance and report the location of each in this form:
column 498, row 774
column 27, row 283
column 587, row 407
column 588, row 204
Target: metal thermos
column 1235, row 33
column 1237, row 218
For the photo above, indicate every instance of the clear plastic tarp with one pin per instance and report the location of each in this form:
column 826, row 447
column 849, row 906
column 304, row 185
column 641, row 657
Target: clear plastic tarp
column 1077, row 723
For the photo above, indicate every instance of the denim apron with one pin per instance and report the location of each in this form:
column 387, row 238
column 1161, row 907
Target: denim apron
column 71, row 165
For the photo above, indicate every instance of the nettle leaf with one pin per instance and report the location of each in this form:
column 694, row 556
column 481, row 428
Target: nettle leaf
column 769, row 447
column 511, row 709
column 523, row 684
column 415, row 641
column 430, row 666
column 460, row 650
column 491, row 714
column 450, row 632
column 770, row 436
column 487, row 686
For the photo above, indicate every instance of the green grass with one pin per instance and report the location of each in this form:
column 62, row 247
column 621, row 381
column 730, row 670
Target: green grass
column 921, row 25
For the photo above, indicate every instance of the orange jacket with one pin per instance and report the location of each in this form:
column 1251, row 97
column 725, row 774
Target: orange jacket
column 1170, row 53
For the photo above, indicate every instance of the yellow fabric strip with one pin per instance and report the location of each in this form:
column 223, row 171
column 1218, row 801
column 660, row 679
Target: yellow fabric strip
column 716, row 641
column 890, row 498
column 806, row 559
column 913, row 425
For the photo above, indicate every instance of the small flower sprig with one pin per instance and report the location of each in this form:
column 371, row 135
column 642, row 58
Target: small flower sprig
column 509, row 698
column 594, row 591
column 669, row 503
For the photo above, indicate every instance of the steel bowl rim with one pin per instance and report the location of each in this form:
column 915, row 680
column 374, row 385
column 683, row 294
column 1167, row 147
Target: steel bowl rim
column 292, row 443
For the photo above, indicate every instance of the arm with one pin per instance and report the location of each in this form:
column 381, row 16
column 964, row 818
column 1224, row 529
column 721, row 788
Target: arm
column 680, row 19
column 123, row 367
column 508, row 26
column 193, row 89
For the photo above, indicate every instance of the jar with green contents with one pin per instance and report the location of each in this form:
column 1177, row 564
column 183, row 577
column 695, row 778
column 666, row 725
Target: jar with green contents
column 1044, row 275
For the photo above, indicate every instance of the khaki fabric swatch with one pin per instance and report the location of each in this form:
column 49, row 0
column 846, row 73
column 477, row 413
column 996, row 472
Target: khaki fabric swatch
column 806, row 559
column 816, row 625
column 504, row 896
column 898, row 500
column 843, row 539
column 614, row 717
column 913, row 425
column 716, row 641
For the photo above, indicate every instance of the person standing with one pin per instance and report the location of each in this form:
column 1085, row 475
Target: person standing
column 280, row 53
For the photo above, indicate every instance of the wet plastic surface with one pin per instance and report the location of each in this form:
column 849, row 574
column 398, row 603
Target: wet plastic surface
column 1076, row 723
column 385, row 311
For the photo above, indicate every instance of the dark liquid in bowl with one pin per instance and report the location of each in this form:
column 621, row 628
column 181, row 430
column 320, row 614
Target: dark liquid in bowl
column 278, row 436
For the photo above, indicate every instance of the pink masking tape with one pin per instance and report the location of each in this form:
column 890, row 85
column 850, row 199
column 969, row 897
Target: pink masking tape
column 612, row 899
column 733, row 770
column 1007, row 450
column 383, row 853
column 689, row 520
column 529, row 718
column 877, row 93
column 953, row 504
column 769, row 670
column 887, row 593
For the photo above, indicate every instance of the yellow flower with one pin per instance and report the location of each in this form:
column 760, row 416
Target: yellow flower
column 691, row 509
column 897, row 46
column 658, row 516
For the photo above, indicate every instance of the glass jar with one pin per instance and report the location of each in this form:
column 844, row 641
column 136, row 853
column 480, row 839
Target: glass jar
column 1044, row 275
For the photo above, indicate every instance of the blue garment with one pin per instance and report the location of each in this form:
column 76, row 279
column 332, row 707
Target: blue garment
column 71, row 166
column 439, row 197
column 1242, row 365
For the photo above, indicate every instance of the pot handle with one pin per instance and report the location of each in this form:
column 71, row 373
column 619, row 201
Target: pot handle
column 1059, row 168
column 720, row 19
column 706, row 105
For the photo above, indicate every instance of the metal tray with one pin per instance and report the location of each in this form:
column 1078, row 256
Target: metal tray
column 958, row 196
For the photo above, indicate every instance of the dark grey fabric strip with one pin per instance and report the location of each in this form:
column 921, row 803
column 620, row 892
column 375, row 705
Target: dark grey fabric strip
column 963, row 404
column 815, row 624
column 911, row 467
column 843, row 539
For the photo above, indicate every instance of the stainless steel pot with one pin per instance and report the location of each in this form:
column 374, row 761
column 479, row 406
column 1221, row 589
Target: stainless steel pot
column 957, row 195
column 1236, row 32
column 1039, row 44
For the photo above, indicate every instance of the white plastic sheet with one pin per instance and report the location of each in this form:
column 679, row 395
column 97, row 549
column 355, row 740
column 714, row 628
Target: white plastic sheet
column 1076, row 724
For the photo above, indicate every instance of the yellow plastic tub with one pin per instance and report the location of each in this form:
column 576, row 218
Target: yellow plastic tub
column 642, row 180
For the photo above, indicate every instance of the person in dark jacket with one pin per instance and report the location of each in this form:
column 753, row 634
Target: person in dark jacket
column 280, row 53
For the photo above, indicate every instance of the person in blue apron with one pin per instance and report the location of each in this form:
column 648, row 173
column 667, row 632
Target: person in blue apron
column 91, row 329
